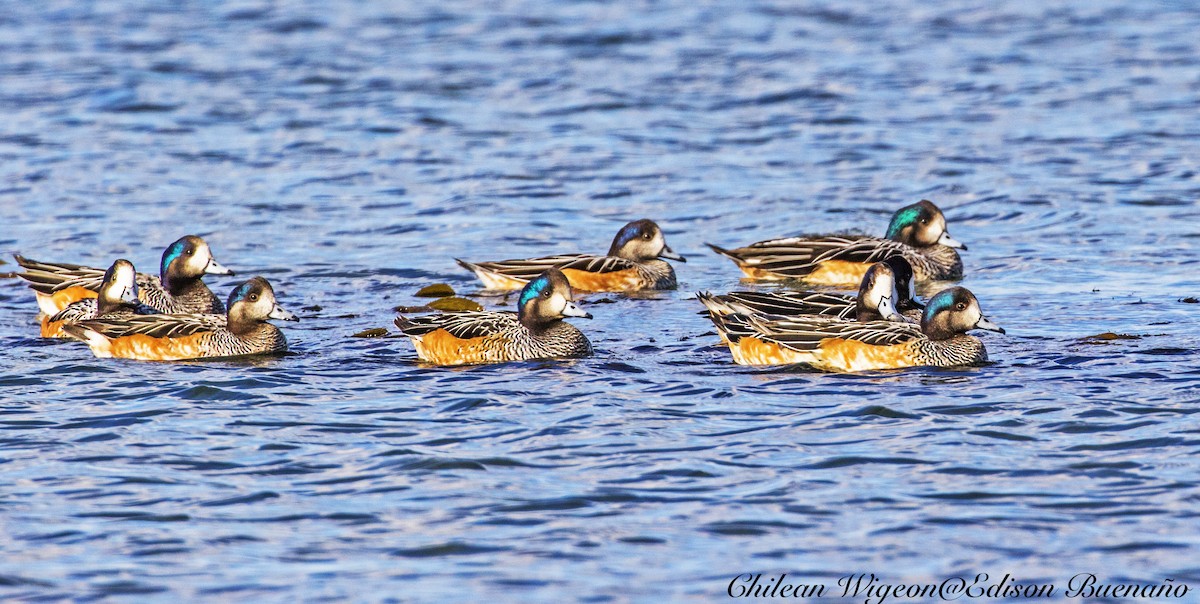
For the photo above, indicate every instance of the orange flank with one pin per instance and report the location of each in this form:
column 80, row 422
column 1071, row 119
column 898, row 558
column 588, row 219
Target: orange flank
column 61, row 299
column 52, row 329
column 837, row 354
column 615, row 281
column 753, row 351
column 838, row 272
column 441, row 348
column 758, row 273
column 146, row 348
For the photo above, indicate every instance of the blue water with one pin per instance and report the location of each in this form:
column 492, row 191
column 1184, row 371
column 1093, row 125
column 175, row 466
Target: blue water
column 349, row 151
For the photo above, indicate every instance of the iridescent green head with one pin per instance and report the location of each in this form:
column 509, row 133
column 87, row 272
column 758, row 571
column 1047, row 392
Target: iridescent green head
column 921, row 224
column 954, row 311
column 188, row 259
column 253, row 302
column 642, row 240
column 547, row 299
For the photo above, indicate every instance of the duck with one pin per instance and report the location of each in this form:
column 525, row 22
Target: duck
column 634, row 262
column 886, row 293
column 116, row 298
column 917, row 232
column 243, row 330
column 828, row 344
column 178, row 288
column 535, row 331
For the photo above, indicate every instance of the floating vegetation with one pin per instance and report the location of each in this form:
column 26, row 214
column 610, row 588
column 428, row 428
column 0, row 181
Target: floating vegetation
column 377, row 332
column 437, row 290
column 455, row 304
column 1109, row 336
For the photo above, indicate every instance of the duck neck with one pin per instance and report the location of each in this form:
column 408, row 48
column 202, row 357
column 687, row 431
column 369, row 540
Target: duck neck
column 866, row 314
column 536, row 325
column 938, row 328
column 178, row 285
column 241, row 326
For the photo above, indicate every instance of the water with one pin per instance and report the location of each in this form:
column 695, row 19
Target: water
column 349, row 153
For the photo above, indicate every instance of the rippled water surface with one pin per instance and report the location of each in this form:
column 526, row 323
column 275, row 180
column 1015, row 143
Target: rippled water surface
column 349, row 151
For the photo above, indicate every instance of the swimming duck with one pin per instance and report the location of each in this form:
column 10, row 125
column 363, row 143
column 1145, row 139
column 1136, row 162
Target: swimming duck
column 243, row 330
column 535, row 331
column 916, row 232
column 117, row 298
column 832, row 345
column 634, row 262
column 886, row 293
column 177, row 289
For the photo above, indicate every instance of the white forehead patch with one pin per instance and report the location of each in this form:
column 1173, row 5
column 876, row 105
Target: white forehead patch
column 558, row 303
column 125, row 275
column 199, row 260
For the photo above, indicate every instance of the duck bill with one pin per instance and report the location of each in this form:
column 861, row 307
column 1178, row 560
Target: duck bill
column 984, row 323
column 129, row 294
column 215, row 268
column 281, row 314
column 670, row 254
column 949, row 241
column 888, row 310
column 574, row 311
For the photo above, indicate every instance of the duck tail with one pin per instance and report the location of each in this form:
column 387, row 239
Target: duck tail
column 95, row 340
column 711, row 302
column 724, row 252
column 471, row 266
column 403, row 323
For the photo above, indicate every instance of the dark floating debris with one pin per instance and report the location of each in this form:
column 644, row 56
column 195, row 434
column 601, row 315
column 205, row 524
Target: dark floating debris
column 1109, row 336
column 313, row 308
column 377, row 332
column 455, row 304
column 404, row 310
column 1190, row 300
column 437, row 290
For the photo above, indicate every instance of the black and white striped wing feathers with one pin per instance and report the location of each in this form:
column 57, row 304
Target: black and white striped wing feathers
column 462, row 325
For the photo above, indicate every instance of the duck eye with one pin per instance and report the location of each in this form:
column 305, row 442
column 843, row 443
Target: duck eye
column 646, row 235
column 960, row 306
column 190, row 252
column 546, row 294
column 254, row 297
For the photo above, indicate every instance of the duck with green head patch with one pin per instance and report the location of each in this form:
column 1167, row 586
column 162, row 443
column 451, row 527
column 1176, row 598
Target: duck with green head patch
column 917, row 232
column 243, row 330
column 178, row 288
column 117, row 298
column 535, row 331
column 832, row 345
column 634, row 262
column 886, row 293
